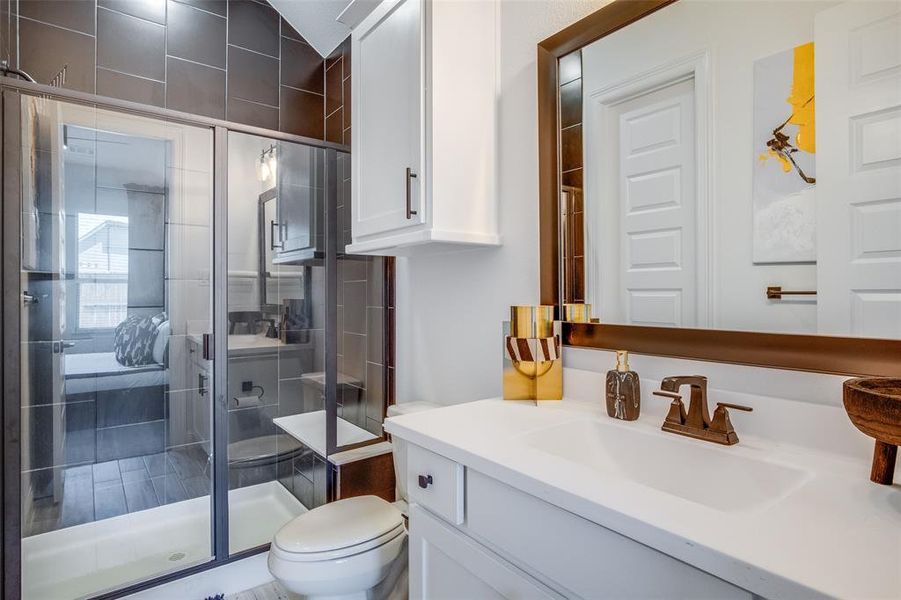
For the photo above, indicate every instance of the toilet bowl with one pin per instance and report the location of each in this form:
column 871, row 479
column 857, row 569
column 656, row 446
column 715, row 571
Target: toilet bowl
column 339, row 550
column 347, row 548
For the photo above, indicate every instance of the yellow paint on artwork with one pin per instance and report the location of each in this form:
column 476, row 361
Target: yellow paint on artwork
column 786, row 166
column 802, row 101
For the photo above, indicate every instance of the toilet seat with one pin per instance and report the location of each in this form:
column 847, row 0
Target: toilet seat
column 337, row 553
column 339, row 529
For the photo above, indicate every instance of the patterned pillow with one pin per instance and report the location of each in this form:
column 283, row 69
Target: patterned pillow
column 134, row 339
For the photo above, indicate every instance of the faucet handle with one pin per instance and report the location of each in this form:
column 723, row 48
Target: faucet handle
column 721, row 423
column 676, row 414
column 735, row 406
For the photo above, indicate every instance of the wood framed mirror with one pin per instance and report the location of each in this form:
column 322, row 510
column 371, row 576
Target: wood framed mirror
column 741, row 317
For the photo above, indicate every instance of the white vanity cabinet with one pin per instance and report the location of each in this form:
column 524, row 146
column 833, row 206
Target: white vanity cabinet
column 424, row 96
column 504, row 543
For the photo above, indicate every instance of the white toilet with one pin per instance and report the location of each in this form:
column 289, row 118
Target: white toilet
column 344, row 549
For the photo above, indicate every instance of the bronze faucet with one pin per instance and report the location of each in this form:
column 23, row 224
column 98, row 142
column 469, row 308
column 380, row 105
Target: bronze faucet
column 697, row 422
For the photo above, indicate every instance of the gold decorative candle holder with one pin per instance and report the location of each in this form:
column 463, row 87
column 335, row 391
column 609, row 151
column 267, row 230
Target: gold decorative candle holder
column 533, row 359
column 577, row 313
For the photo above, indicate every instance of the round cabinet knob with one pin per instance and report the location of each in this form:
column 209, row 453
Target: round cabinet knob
column 425, row 481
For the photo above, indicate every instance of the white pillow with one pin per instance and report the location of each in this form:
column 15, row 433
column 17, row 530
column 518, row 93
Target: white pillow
column 161, row 342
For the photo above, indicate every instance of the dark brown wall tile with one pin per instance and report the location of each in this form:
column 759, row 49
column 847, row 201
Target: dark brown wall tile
column 6, row 33
column 375, row 278
column 347, row 102
column 130, row 45
column 571, row 151
column 375, row 334
column 578, row 286
column 128, row 87
column 301, row 113
column 195, row 88
column 71, row 14
column 375, row 391
column 151, row 10
column 196, row 35
column 570, row 67
column 253, row 26
column 46, row 49
column 334, row 88
column 219, row 7
column 289, row 32
column 573, row 178
column 578, row 233
column 390, row 270
column 137, row 44
column 252, row 113
column 334, row 127
column 302, row 67
column 571, row 103
column 368, row 476
column 252, row 76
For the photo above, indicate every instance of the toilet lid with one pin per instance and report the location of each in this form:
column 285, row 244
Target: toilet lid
column 338, row 525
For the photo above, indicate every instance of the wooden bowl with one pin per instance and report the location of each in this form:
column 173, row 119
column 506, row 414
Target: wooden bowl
column 874, row 406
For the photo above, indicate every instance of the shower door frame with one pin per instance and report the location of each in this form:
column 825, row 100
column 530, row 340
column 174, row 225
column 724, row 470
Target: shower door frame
column 11, row 92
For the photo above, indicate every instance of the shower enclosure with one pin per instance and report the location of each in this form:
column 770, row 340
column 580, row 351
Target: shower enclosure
column 185, row 343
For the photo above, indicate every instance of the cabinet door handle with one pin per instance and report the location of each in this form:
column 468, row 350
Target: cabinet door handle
column 410, row 177
column 425, row 481
column 273, row 226
column 201, row 384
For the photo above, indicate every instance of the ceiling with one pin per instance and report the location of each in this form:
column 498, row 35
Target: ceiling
column 316, row 21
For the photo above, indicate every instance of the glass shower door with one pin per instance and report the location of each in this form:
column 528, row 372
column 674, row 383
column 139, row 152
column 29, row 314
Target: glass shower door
column 276, row 335
column 116, row 377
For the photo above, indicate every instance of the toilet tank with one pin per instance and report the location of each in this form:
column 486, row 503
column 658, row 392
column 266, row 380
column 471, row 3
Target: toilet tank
column 400, row 446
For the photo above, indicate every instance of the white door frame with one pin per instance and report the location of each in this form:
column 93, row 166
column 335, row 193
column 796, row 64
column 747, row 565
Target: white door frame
column 695, row 66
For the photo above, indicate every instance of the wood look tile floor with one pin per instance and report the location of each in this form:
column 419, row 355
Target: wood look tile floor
column 98, row 491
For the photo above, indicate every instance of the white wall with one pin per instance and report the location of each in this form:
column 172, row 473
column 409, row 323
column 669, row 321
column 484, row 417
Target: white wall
column 450, row 307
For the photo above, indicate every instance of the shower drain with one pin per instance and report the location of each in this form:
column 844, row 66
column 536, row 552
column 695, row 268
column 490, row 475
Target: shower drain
column 176, row 556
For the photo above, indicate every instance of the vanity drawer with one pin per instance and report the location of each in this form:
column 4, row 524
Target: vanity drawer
column 436, row 483
column 577, row 555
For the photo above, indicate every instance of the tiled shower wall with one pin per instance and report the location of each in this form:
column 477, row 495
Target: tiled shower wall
column 229, row 59
column 571, row 154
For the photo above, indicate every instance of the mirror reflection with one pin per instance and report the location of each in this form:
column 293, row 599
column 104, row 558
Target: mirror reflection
column 737, row 166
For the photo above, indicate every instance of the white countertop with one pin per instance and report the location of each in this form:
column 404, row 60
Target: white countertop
column 309, row 429
column 834, row 534
column 245, row 343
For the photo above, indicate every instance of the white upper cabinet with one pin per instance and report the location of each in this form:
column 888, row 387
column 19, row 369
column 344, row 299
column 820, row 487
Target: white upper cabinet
column 424, row 127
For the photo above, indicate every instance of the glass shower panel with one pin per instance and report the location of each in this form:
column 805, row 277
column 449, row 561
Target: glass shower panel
column 116, row 391
column 363, row 312
column 276, row 341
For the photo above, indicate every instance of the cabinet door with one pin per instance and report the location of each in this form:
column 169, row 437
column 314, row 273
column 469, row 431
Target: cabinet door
column 444, row 563
column 300, row 192
column 387, row 119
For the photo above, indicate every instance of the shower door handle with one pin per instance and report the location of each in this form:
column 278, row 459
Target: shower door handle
column 207, row 342
column 60, row 347
column 273, row 227
column 410, row 177
column 29, row 298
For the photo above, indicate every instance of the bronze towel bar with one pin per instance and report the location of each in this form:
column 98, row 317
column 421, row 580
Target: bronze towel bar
column 775, row 292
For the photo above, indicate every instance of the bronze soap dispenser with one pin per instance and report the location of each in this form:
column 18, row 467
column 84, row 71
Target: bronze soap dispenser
column 623, row 390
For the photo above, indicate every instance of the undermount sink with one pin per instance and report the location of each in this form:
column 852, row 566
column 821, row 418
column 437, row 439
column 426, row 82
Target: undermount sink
column 696, row 471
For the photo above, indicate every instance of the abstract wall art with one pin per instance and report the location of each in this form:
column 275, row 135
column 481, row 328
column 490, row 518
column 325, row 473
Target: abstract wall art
column 784, row 168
